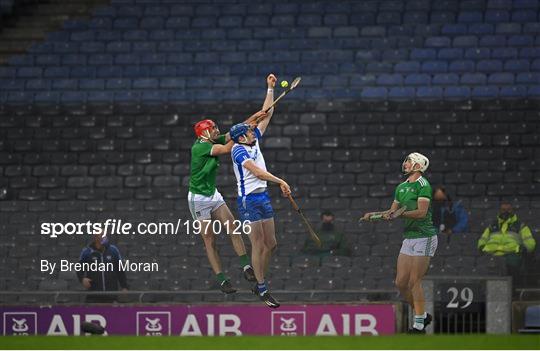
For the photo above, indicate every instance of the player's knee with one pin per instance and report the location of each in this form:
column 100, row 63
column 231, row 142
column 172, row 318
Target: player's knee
column 259, row 250
column 413, row 282
column 257, row 241
column 267, row 249
column 401, row 284
column 209, row 239
column 271, row 245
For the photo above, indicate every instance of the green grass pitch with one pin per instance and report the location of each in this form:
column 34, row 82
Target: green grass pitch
column 266, row 342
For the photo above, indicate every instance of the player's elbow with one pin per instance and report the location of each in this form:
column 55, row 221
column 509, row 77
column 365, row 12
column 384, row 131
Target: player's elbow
column 259, row 174
column 216, row 151
column 420, row 215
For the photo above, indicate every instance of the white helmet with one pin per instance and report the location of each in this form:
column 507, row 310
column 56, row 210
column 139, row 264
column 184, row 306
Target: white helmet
column 416, row 158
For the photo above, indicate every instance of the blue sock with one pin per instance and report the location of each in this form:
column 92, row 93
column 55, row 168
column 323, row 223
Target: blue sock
column 262, row 287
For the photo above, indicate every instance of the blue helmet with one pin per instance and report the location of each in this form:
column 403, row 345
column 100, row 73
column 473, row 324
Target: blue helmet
column 238, row 130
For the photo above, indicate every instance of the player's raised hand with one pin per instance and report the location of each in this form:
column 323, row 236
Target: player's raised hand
column 271, row 80
column 256, row 118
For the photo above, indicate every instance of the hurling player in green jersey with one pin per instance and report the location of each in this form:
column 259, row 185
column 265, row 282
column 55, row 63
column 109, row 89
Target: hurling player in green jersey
column 420, row 236
column 205, row 201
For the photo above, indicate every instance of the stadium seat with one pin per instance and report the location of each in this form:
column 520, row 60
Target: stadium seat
column 423, row 54
column 445, row 79
column 532, row 320
column 461, row 66
column 417, row 79
column 465, row 41
column 429, row 93
column 407, row 67
column 450, row 54
column 481, row 28
column 470, row 17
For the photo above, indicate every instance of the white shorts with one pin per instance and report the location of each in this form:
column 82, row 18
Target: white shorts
column 420, row 246
column 201, row 207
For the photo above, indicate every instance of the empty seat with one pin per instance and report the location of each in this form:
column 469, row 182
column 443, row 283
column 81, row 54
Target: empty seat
column 465, row 41
column 457, row 92
column 417, row 79
column 531, row 322
column 470, row 17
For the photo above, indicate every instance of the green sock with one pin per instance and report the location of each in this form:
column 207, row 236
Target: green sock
column 221, row 277
column 244, row 260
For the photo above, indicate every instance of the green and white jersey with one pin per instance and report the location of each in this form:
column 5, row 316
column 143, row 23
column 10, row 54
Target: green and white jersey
column 204, row 167
column 407, row 195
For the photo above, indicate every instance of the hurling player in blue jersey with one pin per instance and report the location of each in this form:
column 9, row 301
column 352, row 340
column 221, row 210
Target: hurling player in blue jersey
column 254, row 204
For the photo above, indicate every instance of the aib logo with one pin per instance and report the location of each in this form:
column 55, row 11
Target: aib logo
column 153, row 323
column 20, row 323
column 289, row 323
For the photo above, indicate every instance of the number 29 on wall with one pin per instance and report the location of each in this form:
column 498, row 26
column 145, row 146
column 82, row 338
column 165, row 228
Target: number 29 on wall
column 460, row 298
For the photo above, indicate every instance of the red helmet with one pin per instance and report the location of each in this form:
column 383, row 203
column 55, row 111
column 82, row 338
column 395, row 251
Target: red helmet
column 202, row 126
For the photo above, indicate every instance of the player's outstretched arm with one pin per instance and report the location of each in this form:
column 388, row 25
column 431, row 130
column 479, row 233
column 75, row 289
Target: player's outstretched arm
column 393, row 207
column 218, row 149
column 420, row 212
column 265, row 175
column 255, row 118
column 270, row 83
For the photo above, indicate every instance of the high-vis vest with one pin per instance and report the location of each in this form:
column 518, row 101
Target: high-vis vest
column 506, row 237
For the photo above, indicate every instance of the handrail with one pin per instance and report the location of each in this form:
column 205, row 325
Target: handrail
column 128, row 292
column 142, row 293
column 522, row 291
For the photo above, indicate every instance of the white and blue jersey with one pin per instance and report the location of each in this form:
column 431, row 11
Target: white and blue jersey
column 253, row 200
column 246, row 181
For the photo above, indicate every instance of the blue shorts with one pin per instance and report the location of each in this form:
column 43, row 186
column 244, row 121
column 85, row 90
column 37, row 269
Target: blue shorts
column 255, row 207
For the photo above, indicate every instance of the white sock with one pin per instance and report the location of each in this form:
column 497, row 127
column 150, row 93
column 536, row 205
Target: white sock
column 419, row 321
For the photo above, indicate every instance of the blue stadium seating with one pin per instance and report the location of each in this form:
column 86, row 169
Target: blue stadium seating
column 138, row 40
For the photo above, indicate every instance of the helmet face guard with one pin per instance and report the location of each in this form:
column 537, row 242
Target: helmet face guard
column 403, row 165
column 203, row 128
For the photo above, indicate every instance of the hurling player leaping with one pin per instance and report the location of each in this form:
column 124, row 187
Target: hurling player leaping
column 254, row 204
